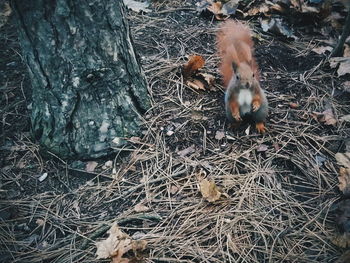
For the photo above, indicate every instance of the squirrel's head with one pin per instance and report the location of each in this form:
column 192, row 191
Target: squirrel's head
column 244, row 75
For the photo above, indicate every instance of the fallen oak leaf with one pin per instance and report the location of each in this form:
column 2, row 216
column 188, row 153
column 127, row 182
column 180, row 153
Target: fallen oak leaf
column 115, row 246
column 209, row 190
column 194, row 63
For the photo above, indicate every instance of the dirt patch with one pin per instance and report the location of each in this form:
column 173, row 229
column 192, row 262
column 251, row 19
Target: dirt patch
column 278, row 188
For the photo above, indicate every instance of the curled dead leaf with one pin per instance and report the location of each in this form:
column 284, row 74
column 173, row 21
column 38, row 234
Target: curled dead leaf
column 90, row 166
column 262, row 148
column 194, row 63
column 327, row 117
column 344, row 65
column 141, row 208
column 209, row 79
column 209, row 190
column 115, row 246
column 219, row 135
column 196, row 84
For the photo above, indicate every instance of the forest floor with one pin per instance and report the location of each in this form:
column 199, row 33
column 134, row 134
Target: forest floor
column 278, row 190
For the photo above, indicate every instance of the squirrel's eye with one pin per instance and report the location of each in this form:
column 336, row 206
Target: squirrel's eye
column 253, row 75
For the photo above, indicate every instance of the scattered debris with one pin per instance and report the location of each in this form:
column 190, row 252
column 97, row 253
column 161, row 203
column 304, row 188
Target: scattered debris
column 141, row 208
column 327, row 117
column 90, row 166
column 117, row 244
column 187, row 151
column 277, row 26
column 42, row 177
column 137, row 6
column 219, row 135
column 262, row 148
column 209, row 190
column 343, row 64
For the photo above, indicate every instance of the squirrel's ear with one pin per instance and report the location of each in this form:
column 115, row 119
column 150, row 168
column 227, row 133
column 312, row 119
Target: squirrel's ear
column 234, row 66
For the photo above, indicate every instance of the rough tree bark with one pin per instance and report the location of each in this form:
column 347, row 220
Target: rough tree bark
column 88, row 89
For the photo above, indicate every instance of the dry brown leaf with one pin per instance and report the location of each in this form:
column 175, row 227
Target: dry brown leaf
column 209, row 190
column 215, row 8
column 196, row 84
column 141, row 208
column 346, row 50
column 344, row 68
column 174, row 189
column 90, row 166
column 115, row 246
column 326, row 117
column 207, row 77
column 344, row 65
column 219, row 135
column 329, row 118
column 344, row 180
column 262, row 148
column 343, row 159
column 322, row 49
column 258, row 10
column 194, row 63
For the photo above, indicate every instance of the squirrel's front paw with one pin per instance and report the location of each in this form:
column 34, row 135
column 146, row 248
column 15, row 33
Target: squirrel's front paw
column 260, row 127
column 256, row 105
column 237, row 117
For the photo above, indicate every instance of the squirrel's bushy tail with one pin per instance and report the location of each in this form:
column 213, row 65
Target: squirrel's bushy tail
column 234, row 45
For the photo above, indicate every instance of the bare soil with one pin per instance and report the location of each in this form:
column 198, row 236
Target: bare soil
column 279, row 188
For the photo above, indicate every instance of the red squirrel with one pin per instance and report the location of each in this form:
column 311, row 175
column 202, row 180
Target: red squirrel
column 243, row 97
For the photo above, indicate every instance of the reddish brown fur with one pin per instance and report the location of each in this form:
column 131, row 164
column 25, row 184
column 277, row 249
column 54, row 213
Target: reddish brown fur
column 235, row 45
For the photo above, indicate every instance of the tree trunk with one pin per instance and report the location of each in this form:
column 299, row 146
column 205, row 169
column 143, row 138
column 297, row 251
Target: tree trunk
column 88, row 88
